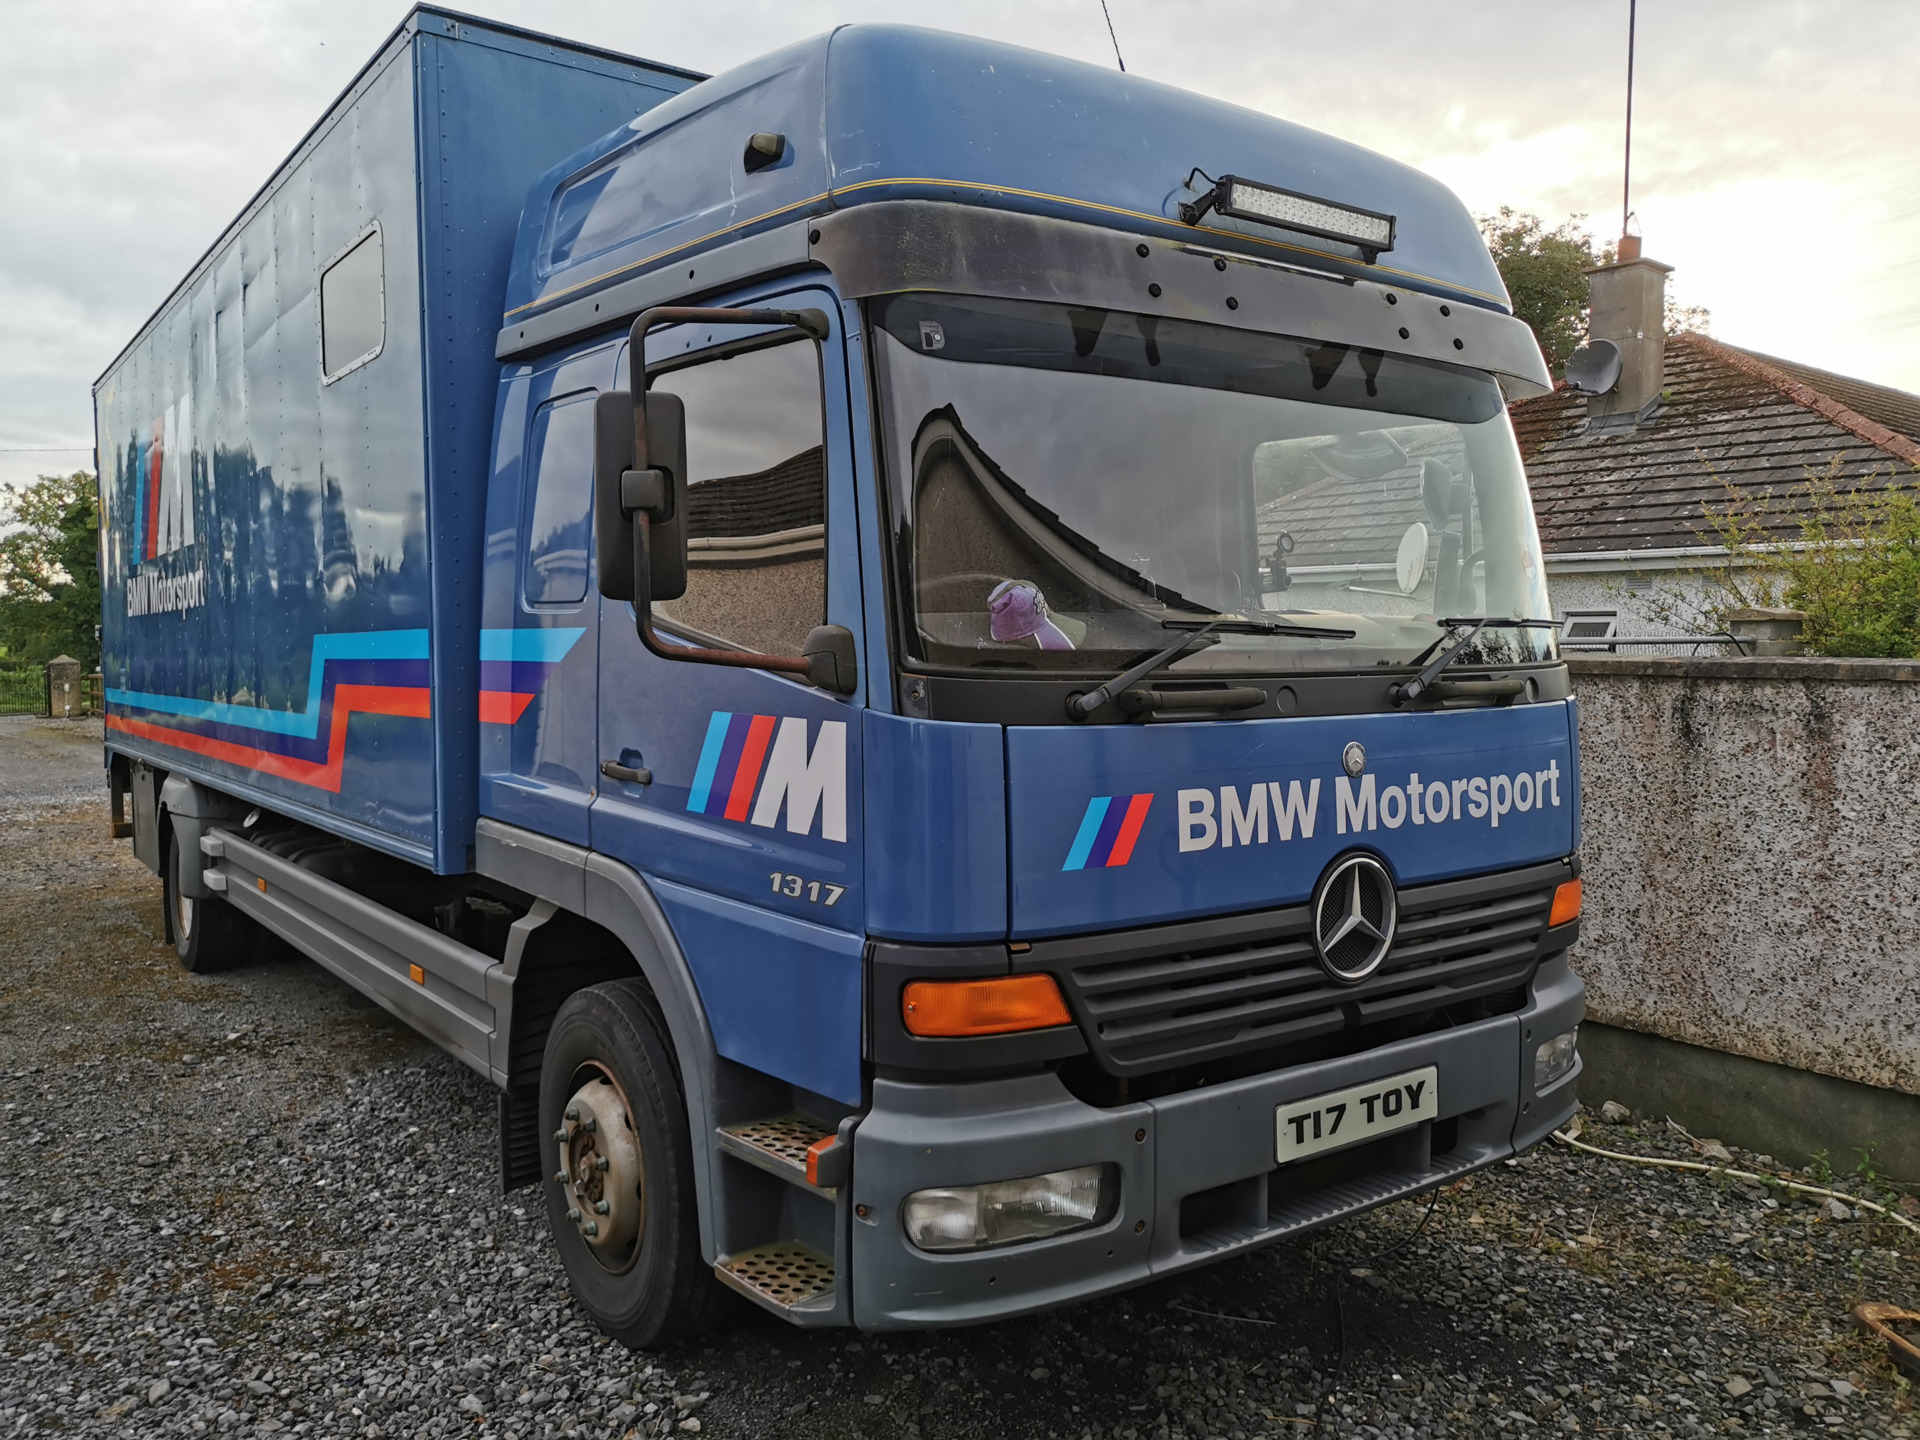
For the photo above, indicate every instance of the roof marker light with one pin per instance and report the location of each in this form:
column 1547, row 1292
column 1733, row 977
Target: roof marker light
column 1270, row 205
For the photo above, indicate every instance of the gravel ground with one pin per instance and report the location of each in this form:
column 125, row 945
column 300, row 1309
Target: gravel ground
column 249, row 1203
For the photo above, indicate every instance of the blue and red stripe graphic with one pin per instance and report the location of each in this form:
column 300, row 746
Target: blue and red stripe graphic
column 514, row 666
column 730, row 763
column 1108, row 831
column 384, row 672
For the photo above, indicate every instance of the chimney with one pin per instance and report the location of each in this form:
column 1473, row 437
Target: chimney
column 1628, row 306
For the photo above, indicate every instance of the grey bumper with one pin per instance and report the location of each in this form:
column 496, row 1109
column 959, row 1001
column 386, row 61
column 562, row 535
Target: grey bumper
column 1197, row 1176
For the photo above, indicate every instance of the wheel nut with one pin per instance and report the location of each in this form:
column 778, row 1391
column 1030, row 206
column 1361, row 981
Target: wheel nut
column 560, row 1136
column 573, row 1112
column 591, row 1228
column 601, row 1207
column 559, row 1177
column 601, row 1164
column 589, row 1125
column 573, row 1215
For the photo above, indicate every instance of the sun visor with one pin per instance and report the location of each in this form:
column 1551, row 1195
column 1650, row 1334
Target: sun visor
column 907, row 245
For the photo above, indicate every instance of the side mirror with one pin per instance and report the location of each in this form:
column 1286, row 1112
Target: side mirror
column 627, row 483
column 640, row 505
column 831, row 662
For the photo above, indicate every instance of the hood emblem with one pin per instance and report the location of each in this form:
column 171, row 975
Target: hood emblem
column 1354, row 914
column 1353, row 759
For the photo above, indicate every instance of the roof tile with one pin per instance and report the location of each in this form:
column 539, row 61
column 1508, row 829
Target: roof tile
column 1730, row 417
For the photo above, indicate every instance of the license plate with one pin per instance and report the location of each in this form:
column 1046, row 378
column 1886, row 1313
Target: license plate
column 1358, row 1113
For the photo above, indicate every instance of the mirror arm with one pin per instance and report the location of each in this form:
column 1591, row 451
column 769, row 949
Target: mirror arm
column 699, row 654
column 812, row 323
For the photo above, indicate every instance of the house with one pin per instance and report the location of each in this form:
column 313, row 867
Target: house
column 1621, row 478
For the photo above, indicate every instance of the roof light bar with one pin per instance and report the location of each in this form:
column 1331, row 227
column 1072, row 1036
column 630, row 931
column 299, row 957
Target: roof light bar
column 1270, row 205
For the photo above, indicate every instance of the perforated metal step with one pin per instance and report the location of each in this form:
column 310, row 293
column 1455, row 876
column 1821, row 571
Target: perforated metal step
column 783, row 1276
column 779, row 1144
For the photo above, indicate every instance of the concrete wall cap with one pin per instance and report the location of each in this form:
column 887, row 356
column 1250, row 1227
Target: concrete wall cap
column 1751, row 667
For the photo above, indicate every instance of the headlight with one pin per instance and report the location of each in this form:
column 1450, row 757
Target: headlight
column 974, row 1217
column 1554, row 1059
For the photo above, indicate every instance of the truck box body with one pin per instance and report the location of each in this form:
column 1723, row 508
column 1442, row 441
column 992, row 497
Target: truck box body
column 291, row 538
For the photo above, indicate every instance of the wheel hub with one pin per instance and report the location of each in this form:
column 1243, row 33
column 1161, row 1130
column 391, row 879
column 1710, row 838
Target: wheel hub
column 599, row 1173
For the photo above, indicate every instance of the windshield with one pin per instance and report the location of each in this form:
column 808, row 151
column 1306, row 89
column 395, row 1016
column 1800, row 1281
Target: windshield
column 1068, row 486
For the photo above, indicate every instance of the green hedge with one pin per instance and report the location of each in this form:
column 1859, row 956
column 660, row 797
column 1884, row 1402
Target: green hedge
column 23, row 688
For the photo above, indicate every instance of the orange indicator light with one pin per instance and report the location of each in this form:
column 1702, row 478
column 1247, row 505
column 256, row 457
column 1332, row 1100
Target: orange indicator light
column 983, row 1007
column 1566, row 903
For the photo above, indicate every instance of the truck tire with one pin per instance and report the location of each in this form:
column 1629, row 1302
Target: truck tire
column 207, row 934
column 619, row 1170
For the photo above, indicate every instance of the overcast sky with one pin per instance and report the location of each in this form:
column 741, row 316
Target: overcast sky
column 1776, row 144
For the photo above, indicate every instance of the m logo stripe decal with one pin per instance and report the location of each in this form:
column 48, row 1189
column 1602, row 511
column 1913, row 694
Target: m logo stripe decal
column 1108, row 832
column 1130, row 830
column 753, row 754
column 709, row 761
column 1089, row 830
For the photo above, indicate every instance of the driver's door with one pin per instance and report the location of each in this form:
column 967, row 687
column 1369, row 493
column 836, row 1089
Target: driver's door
column 749, row 828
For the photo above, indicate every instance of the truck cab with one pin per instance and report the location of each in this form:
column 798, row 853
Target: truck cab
column 1012, row 740
column 1097, row 972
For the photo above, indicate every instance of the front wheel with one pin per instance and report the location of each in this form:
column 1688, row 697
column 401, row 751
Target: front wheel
column 619, row 1160
column 208, row 934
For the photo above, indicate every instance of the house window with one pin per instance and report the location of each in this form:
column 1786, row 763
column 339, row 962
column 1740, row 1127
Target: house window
column 560, row 529
column 1589, row 629
column 756, row 499
column 353, row 307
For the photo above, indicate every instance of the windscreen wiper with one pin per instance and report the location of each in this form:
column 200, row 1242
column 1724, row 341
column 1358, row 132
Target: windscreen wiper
column 1403, row 691
column 1228, row 625
column 1081, row 706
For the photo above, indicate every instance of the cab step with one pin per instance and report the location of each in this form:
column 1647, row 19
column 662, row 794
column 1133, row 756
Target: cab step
column 787, row 1276
column 778, row 1145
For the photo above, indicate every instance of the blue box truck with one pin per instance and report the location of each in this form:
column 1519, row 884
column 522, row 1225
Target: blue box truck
column 933, row 658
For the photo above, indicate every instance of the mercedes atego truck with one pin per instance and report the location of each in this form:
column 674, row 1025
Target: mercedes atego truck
column 934, row 658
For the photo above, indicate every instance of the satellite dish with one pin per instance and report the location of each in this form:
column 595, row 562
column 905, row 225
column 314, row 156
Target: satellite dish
column 1411, row 563
column 1594, row 368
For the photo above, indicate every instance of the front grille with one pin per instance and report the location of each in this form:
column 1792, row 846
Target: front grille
column 1175, row 995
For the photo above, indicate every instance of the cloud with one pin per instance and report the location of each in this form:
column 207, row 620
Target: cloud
column 1773, row 147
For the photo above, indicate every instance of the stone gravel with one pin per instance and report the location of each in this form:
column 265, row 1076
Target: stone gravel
column 252, row 1203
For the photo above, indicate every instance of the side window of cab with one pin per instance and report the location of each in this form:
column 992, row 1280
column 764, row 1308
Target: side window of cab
column 756, row 499
column 560, row 509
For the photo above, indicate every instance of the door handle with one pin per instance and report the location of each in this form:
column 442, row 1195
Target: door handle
column 629, row 774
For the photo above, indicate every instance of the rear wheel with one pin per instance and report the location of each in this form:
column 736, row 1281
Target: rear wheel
column 619, row 1162
column 208, row 934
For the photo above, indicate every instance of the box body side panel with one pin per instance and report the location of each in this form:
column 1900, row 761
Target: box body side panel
column 292, row 544
column 266, row 579
column 494, row 112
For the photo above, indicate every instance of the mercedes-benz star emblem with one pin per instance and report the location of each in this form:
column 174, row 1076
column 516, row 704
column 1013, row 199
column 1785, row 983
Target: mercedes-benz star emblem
column 1353, row 759
column 1354, row 914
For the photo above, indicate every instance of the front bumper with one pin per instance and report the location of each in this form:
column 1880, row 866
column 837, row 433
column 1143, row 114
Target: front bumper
column 1197, row 1172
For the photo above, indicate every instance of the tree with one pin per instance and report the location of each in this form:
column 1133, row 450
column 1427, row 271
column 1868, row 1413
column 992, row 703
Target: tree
column 1845, row 553
column 50, row 570
column 1546, row 275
